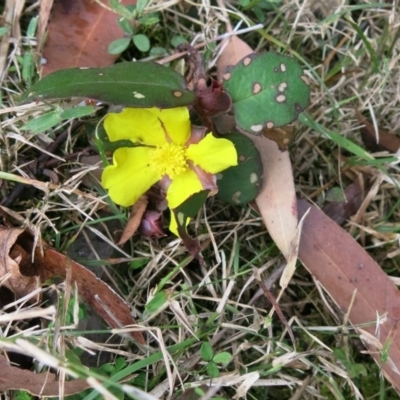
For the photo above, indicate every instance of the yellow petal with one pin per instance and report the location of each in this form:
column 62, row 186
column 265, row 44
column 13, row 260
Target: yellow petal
column 176, row 122
column 130, row 176
column 149, row 125
column 212, row 154
column 182, row 187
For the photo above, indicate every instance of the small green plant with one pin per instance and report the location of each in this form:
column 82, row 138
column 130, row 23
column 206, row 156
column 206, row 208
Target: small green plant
column 207, row 354
column 22, row 395
column 131, row 22
column 265, row 91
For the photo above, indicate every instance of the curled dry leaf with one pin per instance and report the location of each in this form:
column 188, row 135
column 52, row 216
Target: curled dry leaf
column 277, row 199
column 79, row 34
column 45, row 384
column 16, row 257
column 356, row 283
column 383, row 140
column 15, row 263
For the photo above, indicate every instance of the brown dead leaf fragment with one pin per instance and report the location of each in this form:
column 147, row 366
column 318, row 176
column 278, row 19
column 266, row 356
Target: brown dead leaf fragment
column 44, row 15
column 79, row 34
column 385, row 140
column 345, row 270
column 137, row 212
column 25, row 275
column 341, row 211
column 94, row 291
column 43, row 384
column 15, row 262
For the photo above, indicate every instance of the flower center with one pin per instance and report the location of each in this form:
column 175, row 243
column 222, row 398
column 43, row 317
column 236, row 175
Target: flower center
column 169, row 159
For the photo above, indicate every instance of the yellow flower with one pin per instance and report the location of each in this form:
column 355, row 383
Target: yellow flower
column 166, row 149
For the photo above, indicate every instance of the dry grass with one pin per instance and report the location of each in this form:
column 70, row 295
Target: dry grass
column 220, row 302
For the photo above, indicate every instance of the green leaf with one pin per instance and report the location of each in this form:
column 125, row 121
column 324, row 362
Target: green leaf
column 120, row 363
column 43, row 123
column 335, row 194
column 158, row 51
column 30, row 32
column 189, row 209
column 141, row 5
column 177, row 40
column 222, row 358
column 206, row 351
column 125, row 25
column 121, row 9
column 212, row 370
column 27, row 68
column 148, row 20
column 156, row 302
column 77, row 112
column 21, row 395
column 118, row 46
column 3, row 30
column 136, row 84
column 142, row 42
column 139, row 263
column 241, row 184
column 268, row 91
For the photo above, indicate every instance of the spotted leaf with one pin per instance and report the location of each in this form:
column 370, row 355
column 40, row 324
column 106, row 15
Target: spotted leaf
column 240, row 184
column 268, row 90
column 134, row 84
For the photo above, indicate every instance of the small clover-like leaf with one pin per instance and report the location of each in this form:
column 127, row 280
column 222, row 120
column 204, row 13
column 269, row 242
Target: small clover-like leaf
column 119, row 45
column 125, row 25
column 212, row 370
column 206, row 351
column 268, row 90
column 142, row 42
column 240, row 184
column 222, row 358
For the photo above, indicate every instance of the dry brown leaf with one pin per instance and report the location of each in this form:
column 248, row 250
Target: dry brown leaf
column 277, row 199
column 137, row 212
column 79, row 34
column 44, row 15
column 15, row 262
column 290, row 267
column 354, row 194
column 95, row 292
column 346, row 270
column 43, row 384
column 104, row 301
column 385, row 140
